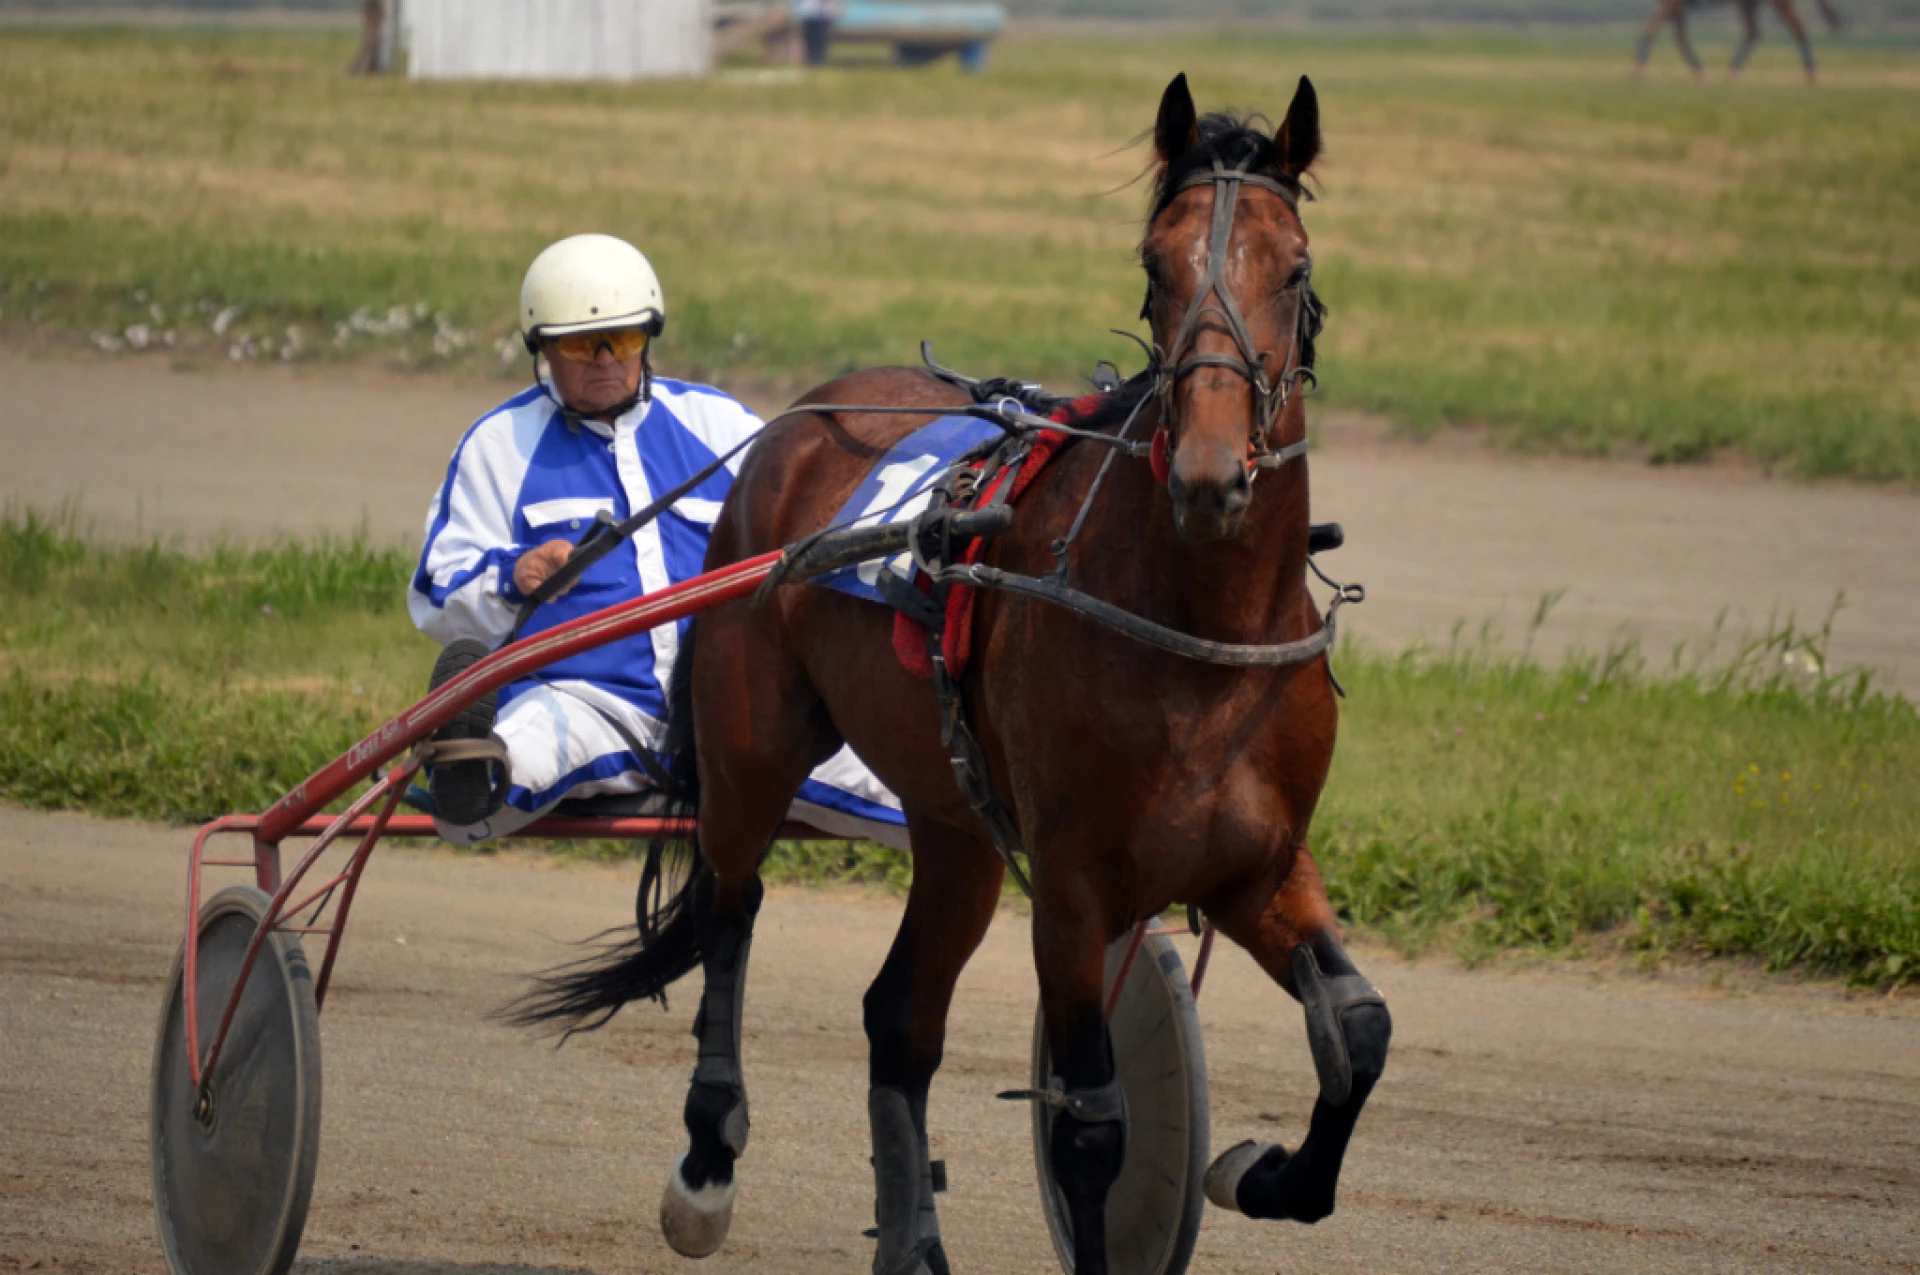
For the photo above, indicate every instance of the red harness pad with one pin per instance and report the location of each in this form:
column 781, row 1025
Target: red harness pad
column 956, row 643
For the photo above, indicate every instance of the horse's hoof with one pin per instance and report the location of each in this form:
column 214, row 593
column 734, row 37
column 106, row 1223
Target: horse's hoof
column 1224, row 1174
column 695, row 1220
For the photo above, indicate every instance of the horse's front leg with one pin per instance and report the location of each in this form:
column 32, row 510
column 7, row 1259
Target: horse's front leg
column 1290, row 932
column 956, row 888
column 1071, row 929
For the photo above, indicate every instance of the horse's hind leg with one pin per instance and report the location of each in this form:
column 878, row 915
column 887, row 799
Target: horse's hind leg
column 1682, row 38
column 1789, row 16
column 956, row 887
column 697, row 1206
column 1668, row 11
column 1749, row 35
column 1291, row 934
column 760, row 733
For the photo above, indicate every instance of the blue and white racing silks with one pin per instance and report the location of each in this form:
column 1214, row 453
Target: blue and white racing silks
column 523, row 476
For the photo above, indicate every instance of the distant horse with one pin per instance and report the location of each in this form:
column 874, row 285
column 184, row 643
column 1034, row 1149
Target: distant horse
column 1675, row 12
column 1139, row 780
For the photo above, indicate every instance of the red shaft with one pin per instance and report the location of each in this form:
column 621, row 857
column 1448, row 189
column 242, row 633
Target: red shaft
column 509, row 664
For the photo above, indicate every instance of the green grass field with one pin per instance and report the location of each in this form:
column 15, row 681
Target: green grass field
column 1511, row 234
column 1484, row 803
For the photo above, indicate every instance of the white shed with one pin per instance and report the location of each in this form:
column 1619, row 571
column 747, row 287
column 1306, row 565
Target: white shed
column 557, row 39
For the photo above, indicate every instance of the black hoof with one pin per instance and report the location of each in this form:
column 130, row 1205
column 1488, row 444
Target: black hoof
column 1283, row 1187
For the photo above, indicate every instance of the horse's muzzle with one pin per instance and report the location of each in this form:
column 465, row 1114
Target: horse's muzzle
column 1211, row 507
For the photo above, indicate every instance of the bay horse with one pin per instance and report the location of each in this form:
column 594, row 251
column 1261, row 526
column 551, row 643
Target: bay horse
column 1138, row 780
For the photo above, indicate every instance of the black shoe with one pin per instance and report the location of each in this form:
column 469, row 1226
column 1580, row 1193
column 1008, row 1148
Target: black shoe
column 465, row 792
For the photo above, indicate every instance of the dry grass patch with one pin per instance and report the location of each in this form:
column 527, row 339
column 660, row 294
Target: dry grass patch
column 1511, row 233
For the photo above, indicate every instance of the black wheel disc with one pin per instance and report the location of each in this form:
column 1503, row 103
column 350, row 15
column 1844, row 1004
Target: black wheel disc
column 233, row 1167
column 1154, row 1208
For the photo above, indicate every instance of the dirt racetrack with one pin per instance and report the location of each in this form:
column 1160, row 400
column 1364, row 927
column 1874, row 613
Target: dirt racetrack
column 1542, row 1121
column 1440, row 533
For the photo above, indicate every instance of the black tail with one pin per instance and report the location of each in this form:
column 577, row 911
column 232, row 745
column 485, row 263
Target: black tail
column 665, row 942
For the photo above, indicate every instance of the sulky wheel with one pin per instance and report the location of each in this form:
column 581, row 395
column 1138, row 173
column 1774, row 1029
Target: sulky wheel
column 1153, row 1211
column 232, row 1175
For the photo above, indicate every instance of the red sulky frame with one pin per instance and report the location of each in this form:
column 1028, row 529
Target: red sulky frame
column 295, row 814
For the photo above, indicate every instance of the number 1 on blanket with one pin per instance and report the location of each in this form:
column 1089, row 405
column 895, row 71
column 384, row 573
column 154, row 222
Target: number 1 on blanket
column 896, row 481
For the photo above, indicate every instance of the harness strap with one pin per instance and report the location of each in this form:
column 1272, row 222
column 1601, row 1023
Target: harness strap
column 1214, row 298
column 1141, row 629
column 970, row 769
column 1289, row 192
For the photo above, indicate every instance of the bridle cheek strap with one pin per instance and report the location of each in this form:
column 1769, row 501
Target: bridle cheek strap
column 1269, row 399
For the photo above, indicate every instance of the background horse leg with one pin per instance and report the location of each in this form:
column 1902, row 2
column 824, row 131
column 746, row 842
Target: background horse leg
column 1681, row 38
column 1071, row 930
column 1787, row 15
column 1749, row 34
column 956, row 888
column 1667, row 12
column 1291, row 934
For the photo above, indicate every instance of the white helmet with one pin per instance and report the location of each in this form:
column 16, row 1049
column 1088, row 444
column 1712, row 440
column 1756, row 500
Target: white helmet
column 587, row 282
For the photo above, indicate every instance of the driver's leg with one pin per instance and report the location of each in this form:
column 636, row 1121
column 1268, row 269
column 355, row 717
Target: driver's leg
column 558, row 745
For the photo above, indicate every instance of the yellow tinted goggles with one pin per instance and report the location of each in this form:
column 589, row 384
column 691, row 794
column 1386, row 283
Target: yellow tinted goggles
column 584, row 347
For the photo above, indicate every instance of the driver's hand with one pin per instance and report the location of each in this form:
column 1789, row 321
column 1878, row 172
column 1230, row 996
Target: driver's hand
column 537, row 564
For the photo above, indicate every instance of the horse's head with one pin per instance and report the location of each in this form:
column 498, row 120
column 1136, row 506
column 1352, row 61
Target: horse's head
column 1233, row 318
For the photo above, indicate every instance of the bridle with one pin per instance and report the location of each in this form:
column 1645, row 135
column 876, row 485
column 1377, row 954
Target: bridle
column 1180, row 359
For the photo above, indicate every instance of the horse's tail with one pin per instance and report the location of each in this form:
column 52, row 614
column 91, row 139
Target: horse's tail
column 665, row 943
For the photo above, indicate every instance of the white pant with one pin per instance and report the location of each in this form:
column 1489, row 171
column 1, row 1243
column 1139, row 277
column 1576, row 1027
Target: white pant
column 572, row 739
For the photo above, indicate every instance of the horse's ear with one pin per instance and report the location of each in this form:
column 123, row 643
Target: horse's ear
column 1178, row 127
column 1298, row 139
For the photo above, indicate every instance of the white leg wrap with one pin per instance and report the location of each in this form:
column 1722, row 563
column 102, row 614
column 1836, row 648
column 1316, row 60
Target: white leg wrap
column 1224, row 1174
column 695, row 1221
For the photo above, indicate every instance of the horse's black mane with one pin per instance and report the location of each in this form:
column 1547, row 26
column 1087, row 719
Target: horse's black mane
column 1237, row 141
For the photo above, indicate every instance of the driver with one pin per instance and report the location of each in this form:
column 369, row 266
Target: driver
column 603, row 435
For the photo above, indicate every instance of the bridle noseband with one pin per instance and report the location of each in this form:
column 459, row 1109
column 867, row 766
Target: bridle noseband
column 1181, row 359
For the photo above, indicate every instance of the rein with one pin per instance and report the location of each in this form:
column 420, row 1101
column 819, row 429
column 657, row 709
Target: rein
column 1140, row 629
column 1181, row 360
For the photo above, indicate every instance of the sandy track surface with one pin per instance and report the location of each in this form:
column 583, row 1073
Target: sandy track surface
column 1545, row 1120
column 1439, row 533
